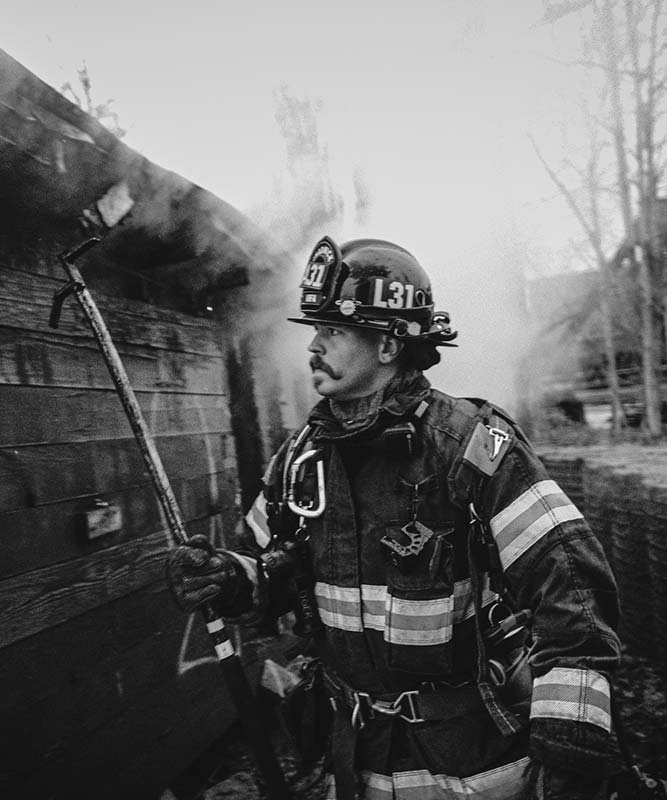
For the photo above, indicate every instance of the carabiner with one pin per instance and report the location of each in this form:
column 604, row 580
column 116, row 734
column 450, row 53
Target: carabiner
column 292, row 503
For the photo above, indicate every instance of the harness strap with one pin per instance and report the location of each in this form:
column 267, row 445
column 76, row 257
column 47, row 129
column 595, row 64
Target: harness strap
column 355, row 709
column 343, row 750
column 431, row 702
column 507, row 722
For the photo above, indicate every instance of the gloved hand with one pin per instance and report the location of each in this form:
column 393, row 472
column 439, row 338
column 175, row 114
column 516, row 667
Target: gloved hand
column 197, row 572
column 549, row 783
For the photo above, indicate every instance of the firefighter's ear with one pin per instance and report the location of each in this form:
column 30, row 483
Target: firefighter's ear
column 388, row 349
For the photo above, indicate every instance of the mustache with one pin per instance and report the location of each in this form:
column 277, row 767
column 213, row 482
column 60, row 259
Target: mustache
column 316, row 362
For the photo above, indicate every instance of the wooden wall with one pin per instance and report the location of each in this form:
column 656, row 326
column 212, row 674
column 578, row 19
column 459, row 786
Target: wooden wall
column 108, row 689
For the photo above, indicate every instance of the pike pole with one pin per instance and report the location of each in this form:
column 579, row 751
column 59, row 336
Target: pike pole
column 237, row 683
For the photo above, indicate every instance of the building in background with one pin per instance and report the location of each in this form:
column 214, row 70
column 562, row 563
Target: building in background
column 568, row 365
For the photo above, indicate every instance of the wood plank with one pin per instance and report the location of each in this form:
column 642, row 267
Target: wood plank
column 26, row 300
column 34, row 601
column 39, row 599
column 87, row 665
column 76, row 647
column 47, row 358
column 38, row 258
column 44, row 474
column 36, row 414
column 31, row 538
column 183, row 718
column 77, row 708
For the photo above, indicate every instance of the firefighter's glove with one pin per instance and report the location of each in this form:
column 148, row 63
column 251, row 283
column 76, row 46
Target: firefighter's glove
column 197, row 573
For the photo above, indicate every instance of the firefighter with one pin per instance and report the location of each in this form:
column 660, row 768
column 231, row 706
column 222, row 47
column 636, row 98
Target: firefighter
column 462, row 610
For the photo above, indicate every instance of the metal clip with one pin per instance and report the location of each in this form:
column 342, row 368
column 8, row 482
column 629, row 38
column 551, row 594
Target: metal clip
column 292, row 503
column 403, row 707
column 412, row 708
column 358, row 721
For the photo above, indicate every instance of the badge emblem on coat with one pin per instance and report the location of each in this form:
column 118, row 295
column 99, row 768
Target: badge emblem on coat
column 498, row 437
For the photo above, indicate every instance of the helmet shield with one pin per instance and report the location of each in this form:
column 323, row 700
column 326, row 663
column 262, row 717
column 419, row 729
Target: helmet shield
column 322, row 278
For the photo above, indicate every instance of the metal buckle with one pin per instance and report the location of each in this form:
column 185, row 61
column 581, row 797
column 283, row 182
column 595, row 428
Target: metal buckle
column 398, row 703
column 403, row 707
column 386, row 708
column 358, row 721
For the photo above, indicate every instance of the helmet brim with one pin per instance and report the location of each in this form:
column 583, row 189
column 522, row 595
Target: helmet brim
column 372, row 326
column 337, row 320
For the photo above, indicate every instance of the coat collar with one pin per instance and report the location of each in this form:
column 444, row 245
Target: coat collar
column 401, row 396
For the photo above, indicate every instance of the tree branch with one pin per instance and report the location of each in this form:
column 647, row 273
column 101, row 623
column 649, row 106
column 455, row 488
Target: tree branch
column 567, row 194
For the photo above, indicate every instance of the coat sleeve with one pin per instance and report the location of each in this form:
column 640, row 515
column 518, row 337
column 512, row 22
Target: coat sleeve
column 555, row 566
column 274, row 593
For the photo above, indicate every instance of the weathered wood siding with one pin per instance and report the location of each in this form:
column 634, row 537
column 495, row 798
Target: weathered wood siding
column 108, row 689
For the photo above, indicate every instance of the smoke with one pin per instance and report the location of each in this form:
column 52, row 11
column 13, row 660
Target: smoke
column 362, row 206
column 483, row 289
column 478, row 277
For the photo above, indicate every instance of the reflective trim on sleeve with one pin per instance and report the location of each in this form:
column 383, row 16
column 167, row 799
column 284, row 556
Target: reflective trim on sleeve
column 580, row 695
column 526, row 520
column 258, row 521
column 249, row 566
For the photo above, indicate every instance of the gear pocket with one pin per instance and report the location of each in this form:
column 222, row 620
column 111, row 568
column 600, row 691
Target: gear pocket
column 420, row 604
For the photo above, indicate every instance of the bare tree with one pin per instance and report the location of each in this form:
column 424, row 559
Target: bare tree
column 589, row 219
column 629, row 50
column 644, row 52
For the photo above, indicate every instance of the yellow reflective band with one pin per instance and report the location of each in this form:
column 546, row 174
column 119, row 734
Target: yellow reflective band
column 413, row 622
column 374, row 604
column 339, row 606
column 214, row 626
column 528, row 518
column 420, row 623
column 580, row 695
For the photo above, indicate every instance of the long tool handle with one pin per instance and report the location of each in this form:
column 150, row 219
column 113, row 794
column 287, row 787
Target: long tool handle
column 237, row 683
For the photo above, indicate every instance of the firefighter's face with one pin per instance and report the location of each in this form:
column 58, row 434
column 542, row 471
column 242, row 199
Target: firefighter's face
column 348, row 363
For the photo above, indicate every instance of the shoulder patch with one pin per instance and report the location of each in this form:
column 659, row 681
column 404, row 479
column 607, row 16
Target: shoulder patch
column 488, row 444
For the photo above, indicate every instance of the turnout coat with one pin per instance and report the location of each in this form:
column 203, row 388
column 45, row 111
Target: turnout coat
column 394, row 591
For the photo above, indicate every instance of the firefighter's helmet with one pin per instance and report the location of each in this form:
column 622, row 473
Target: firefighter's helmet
column 372, row 284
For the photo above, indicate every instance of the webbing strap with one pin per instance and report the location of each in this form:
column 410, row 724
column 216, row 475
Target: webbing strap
column 506, row 722
column 419, row 705
column 343, row 750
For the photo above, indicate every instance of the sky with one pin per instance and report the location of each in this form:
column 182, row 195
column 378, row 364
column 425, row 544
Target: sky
column 434, row 100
